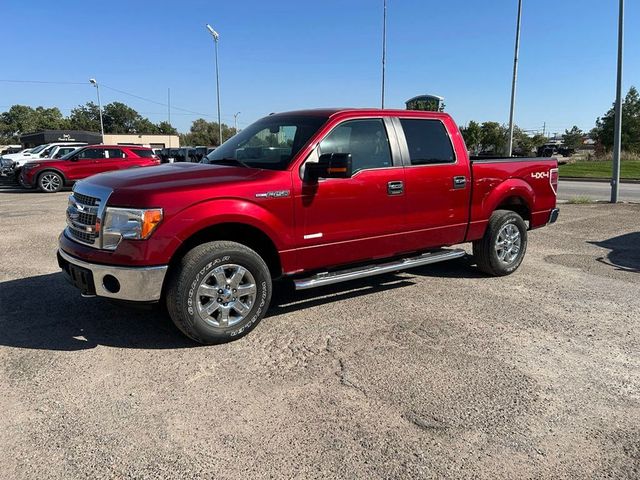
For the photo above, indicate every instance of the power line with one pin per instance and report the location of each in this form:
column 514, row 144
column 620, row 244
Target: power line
column 139, row 97
column 42, row 81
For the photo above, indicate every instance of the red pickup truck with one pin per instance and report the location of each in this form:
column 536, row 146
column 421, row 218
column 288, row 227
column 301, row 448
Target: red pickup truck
column 314, row 196
column 52, row 174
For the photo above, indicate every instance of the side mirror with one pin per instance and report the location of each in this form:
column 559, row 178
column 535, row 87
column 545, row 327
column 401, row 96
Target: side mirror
column 331, row 165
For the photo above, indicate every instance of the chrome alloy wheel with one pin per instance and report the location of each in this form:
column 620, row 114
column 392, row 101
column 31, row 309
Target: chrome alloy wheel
column 50, row 182
column 226, row 295
column 508, row 243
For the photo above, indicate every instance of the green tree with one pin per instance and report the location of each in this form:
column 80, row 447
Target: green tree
column 120, row 118
column 573, row 138
column 493, row 137
column 165, row 128
column 603, row 131
column 21, row 119
column 205, row 133
column 85, row 117
column 472, row 135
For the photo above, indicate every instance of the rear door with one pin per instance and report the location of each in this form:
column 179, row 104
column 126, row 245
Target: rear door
column 345, row 220
column 114, row 159
column 437, row 183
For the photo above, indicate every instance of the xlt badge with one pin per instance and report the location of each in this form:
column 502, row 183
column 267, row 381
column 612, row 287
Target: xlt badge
column 273, row 194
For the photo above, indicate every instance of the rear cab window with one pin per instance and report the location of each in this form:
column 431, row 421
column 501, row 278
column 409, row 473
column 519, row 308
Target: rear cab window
column 428, row 141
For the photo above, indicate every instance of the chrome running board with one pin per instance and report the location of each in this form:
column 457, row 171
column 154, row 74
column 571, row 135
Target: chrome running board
column 328, row 278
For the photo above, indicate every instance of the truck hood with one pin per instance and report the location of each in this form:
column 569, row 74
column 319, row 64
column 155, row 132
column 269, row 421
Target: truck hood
column 149, row 185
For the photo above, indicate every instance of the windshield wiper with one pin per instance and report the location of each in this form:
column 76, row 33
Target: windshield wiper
column 229, row 159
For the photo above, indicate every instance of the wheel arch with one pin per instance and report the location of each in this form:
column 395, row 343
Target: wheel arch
column 248, row 235
column 54, row 170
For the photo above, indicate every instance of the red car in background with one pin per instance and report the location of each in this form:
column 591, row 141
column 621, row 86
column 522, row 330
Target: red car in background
column 51, row 175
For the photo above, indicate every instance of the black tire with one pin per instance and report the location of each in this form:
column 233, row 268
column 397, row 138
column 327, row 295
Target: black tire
column 196, row 266
column 484, row 250
column 50, row 181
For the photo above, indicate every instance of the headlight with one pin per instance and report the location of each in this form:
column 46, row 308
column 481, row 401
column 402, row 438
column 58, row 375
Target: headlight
column 29, row 166
column 128, row 223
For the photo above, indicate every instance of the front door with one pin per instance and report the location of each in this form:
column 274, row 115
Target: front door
column 83, row 163
column 347, row 220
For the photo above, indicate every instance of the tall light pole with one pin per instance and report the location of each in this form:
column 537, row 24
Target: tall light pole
column 384, row 45
column 514, row 81
column 216, row 36
column 617, row 132
column 94, row 82
column 235, row 121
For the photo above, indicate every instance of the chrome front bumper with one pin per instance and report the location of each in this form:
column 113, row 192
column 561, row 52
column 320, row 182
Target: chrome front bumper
column 134, row 284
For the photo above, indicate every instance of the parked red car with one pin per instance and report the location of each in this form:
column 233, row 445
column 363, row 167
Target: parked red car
column 316, row 197
column 50, row 175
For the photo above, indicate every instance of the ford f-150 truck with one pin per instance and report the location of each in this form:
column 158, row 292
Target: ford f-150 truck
column 314, row 196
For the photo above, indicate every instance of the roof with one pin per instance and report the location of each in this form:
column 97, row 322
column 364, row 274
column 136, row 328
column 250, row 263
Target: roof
column 330, row 112
column 100, row 145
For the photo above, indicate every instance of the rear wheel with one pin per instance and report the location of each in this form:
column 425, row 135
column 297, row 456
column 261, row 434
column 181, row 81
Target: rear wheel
column 50, row 182
column 502, row 248
column 219, row 292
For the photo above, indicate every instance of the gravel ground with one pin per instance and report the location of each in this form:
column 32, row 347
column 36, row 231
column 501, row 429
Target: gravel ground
column 435, row 373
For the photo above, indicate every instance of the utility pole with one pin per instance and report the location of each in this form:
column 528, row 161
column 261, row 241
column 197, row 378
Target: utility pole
column 169, row 105
column 94, row 82
column 384, row 45
column 544, row 128
column 169, row 111
column 235, row 121
column 515, row 78
column 216, row 36
column 617, row 132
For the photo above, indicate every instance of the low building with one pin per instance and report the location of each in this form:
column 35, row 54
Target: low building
column 34, row 139
column 152, row 141
column 50, row 136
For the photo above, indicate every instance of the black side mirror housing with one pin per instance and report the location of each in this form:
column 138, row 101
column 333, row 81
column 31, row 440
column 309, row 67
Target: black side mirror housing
column 331, row 165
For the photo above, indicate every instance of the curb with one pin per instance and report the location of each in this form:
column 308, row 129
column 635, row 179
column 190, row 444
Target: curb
column 597, row 180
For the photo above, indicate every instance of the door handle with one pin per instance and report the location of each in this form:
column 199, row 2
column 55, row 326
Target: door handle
column 395, row 188
column 459, row 182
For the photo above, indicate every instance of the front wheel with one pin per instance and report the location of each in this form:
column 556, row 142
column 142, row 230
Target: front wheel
column 501, row 250
column 50, row 182
column 218, row 292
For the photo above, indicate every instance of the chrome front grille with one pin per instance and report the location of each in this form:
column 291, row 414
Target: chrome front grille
column 83, row 222
column 86, row 199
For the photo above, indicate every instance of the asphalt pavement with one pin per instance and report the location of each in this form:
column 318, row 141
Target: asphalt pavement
column 439, row 372
column 597, row 191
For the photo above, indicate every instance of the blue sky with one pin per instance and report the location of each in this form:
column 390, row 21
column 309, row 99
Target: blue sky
column 286, row 54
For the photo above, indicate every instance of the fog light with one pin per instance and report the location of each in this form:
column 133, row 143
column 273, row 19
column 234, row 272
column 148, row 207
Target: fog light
column 111, row 284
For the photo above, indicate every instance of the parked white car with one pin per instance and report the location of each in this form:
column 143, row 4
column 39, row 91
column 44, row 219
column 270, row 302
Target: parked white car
column 43, row 151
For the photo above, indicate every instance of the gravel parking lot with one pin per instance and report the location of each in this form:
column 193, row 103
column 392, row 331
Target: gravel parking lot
column 437, row 372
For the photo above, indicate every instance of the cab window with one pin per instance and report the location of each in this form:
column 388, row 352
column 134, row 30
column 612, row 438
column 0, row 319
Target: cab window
column 366, row 141
column 114, row 153
column 428, row 141
column 91, row 153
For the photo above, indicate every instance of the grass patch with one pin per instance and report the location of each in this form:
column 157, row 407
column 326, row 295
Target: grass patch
column 580, row 200
column 600, row 169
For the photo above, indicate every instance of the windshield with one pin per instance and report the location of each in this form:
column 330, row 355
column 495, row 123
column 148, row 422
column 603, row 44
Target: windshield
column 269, row 143
column 71, row 153
column 39, row 149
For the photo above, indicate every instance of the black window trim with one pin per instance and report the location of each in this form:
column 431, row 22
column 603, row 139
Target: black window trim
column 394, row 145
column 404, row 146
